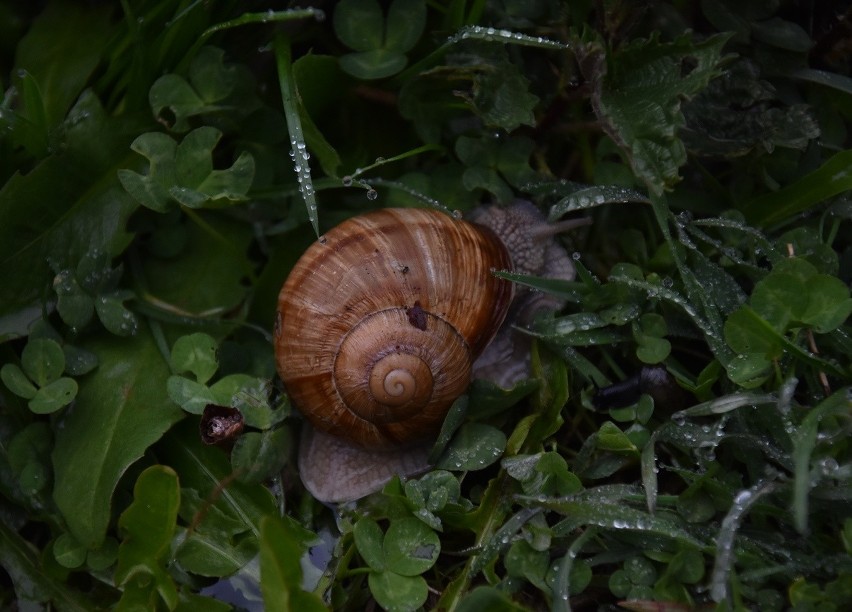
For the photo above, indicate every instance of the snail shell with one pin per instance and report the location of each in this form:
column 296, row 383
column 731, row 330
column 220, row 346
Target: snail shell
column 380, row 321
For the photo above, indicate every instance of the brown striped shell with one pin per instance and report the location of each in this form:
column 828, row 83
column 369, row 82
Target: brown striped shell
column 380, row 321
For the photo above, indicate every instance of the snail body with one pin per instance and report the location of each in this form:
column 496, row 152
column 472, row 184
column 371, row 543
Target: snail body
column 380, row 321
column 379, row 327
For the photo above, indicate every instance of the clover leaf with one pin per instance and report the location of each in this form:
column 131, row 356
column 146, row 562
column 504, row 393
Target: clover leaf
column 184, row 173
column 39, row 377
column 379, row 42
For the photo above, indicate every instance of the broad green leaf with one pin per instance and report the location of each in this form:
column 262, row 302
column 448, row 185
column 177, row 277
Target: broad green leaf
column 212, row 554
column 215, row 260
column 121, row 409
column 59, row 59
column 147, row 526
column 207, row 470
column 280, row 572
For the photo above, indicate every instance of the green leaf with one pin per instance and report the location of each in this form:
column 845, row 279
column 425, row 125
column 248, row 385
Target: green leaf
column 16, row 381
column 147, row 527
column 215, row 260
column 184, row 172
column 368, row 539
column 54, row 396
column 189, row 395
column 209, row 552
column 115, row 316
column 74, row 305
column 405, row 22
column 66, row 206
column 501, row 97
column 830, row 179
column 375, row 64
column 393, row 591
column 474, row 447
column 359, row 24
column 68, row 551
column 120, row 411
column 205, row 468
column 259, row 456
column 26, row 571
column 638, row 92
column 59, row 59
column 611, row 438
column 619, row 517
column 410, row 547
column 280, row 571
column 829, row 304
column 43, row 361
column 195, row 353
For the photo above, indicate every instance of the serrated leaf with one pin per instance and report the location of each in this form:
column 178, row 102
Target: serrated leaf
column 638, row 96
column 120, row 411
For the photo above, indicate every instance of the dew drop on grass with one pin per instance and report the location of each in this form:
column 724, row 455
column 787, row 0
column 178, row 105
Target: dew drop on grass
column 372, row 194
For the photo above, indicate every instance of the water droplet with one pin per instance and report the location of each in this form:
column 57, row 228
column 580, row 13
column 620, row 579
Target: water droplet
column 347, row 181
column 372, row 194
column 576, row 256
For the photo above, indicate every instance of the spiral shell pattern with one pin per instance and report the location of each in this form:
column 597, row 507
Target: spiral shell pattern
column 380, row 321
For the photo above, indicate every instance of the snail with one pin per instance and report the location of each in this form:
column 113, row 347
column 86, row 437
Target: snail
column 383, row 322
